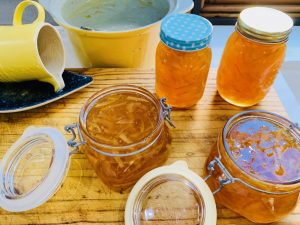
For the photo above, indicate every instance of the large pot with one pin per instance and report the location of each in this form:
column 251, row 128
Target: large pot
column 117, row 47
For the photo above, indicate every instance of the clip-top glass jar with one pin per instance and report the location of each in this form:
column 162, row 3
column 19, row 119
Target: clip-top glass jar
column 254, row 169
column 183, row 59
column 121, row 130
column 124, row 133
column 253, row 55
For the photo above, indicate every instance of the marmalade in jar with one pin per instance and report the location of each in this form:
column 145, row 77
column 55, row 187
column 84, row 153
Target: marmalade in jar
column 181, row 76
column 265, row 150
column 125, row 134
column 261, row 151
column 122, row 119
column 183, row 59
column 248, row 70
column 253, row 56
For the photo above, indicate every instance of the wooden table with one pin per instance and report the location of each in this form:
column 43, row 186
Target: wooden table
column 83, row 199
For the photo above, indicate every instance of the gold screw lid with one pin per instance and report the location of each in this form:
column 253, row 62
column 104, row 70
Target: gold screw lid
column 264, row 24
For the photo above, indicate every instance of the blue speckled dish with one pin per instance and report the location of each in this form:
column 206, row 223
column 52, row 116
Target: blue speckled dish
column 17, row 97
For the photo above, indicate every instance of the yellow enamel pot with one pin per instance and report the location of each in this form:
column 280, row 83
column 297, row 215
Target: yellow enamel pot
column 31, row 51
column 122, row 48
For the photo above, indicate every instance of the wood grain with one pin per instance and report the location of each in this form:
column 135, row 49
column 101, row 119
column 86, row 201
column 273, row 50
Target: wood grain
column 232, row 8
column 83, row 199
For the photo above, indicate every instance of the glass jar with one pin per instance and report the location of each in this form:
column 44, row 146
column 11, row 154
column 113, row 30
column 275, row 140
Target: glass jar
column 254, row 169
column 253, row 55
column 183, row 59
column 124, row 133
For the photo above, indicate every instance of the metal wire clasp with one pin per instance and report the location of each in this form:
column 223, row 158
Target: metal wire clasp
column 295, row 126
column 166, row 111
column 226, row 177
column 72, row 142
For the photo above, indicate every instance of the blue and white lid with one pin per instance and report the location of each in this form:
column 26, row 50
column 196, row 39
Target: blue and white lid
column 186, row 32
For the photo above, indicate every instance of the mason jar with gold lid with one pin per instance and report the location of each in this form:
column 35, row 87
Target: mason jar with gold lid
column 253, row 55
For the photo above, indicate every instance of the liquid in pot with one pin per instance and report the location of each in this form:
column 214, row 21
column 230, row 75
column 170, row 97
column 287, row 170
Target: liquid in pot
column 114, row 15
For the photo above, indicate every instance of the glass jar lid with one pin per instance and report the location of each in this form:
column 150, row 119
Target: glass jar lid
column 264, row 24
column 33, row 169
column 265, row 146
column 171, row 195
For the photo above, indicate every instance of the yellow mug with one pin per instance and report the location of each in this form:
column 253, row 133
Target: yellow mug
column 31, row 51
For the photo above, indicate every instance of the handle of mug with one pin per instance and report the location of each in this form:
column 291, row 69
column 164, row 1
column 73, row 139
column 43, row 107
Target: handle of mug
column 21, row 8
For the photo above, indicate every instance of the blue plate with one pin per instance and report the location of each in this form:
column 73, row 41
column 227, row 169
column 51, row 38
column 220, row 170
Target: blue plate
column 17, row 97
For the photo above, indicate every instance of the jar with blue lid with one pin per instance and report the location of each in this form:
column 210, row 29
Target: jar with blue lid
column 183, row 58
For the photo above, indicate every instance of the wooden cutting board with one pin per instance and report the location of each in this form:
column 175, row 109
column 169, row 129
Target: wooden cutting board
column 83, row 199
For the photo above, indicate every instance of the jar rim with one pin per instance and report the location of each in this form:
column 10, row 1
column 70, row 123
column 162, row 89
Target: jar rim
column 116, row 89
column 275, row 117
column 258, row 41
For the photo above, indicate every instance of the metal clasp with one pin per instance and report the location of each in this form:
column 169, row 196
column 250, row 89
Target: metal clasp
column 72, row 142
column 295, row 125
column 166, row 111
column 226, row 177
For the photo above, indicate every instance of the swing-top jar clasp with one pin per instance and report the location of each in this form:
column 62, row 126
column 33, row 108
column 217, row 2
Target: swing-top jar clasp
column 226, row 177
column 166, row 111
column 72, row 142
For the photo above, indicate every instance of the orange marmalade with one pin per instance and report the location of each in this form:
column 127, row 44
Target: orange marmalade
column 248, row 70
column 265, row 150
column 259, row 157
column 181, row 76
column 253, row 56
column 125, row 134
column 122, row 119
column 183, row 59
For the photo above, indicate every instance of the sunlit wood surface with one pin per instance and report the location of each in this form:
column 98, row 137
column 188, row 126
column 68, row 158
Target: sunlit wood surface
column 83, row 199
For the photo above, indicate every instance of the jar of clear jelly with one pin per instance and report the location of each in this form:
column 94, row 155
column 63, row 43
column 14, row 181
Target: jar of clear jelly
column 254, row 168
column 183, row 59
column 124, row 134
column 253, row 55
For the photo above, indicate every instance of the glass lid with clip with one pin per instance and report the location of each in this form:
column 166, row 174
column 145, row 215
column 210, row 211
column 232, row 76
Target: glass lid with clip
column 171, row 195
column 33, row 169
column 121, row 130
